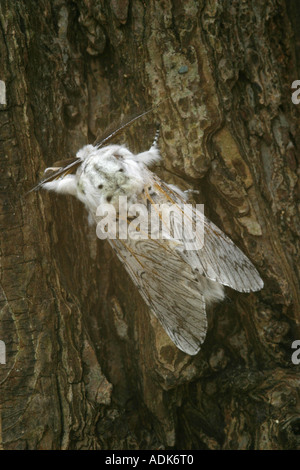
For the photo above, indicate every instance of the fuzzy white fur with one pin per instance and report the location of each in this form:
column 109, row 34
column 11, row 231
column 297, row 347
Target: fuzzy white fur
column 105, row 174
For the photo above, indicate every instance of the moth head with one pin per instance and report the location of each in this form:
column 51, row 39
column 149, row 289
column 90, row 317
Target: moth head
column 85, row 152
column 108, row 173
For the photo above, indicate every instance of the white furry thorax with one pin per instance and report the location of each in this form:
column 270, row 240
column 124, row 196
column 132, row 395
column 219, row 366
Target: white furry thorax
column 105, row 174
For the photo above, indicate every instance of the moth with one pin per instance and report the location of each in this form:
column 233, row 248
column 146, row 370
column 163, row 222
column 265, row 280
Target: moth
column 176, row 283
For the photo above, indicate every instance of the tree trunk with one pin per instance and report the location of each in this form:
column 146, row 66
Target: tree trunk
column 87, row 365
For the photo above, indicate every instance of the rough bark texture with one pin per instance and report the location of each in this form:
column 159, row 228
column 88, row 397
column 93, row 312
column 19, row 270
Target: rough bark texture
column 87, row 365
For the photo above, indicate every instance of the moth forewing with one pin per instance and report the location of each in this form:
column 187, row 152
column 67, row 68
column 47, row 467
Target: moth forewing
column 233, row 267
column 174, row 299
column 219, row 259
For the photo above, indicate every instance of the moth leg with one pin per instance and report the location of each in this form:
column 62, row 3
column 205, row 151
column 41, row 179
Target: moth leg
column 152, row 155
column 149, row 157
column 51, row 169
column 178, row 191
column 192, row 191
column 156, row 137
column 66, row 185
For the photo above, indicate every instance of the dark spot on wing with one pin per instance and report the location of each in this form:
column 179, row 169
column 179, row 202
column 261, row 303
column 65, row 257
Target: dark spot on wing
column 80, row 188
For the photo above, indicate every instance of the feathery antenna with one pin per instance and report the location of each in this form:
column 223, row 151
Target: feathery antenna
column 105, row 140
column 69, row 168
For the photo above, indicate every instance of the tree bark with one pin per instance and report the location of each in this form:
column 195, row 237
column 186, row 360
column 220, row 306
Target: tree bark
column 87, row 365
